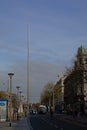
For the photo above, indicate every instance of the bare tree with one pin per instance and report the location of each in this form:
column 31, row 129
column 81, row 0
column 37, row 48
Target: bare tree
column 47, row 93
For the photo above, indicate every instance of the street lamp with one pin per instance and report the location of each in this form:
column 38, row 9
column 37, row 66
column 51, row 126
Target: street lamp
column 17, row 99
column 54, row 96
column 10, row 85
column 53, row 99
column 18, row 87
column 20, row 101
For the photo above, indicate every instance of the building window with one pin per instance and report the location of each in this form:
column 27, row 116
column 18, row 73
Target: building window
column 80, row 61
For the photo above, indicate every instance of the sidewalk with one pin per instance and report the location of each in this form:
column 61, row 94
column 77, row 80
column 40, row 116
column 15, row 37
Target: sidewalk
column 16, row 125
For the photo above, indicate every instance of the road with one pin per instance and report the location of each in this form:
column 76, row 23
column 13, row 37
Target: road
column 45, row 122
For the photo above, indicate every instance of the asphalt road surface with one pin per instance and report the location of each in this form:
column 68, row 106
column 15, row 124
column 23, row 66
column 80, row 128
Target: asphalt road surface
column 45, row 122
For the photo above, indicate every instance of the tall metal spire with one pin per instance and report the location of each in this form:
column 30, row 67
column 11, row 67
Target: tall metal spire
column 28, row 65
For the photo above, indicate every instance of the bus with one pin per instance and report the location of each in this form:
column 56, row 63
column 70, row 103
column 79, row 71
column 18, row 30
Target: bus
column 42, row 109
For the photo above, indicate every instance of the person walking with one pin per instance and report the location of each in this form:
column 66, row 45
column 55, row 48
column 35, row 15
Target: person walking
column 51, row 112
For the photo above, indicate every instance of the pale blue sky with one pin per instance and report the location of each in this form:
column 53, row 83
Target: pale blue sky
column 57, row 29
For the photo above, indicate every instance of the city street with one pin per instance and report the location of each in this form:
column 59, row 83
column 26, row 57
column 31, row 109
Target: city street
column 43, row 64
column 45, row 122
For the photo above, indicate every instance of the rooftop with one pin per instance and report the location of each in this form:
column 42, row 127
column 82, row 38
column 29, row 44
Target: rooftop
column 82, row 51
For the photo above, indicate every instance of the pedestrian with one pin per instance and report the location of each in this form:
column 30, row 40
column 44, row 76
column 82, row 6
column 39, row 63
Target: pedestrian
column 79, row 115
column 51, row 112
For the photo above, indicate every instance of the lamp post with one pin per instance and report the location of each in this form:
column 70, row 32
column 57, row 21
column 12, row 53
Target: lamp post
column 10, row 90
column 18, row 87
column 20, row 101
column 53, row 100
column 54, row 96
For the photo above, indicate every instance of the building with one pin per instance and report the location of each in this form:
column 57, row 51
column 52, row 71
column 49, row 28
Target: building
column 59, row 95
column 75, row 84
